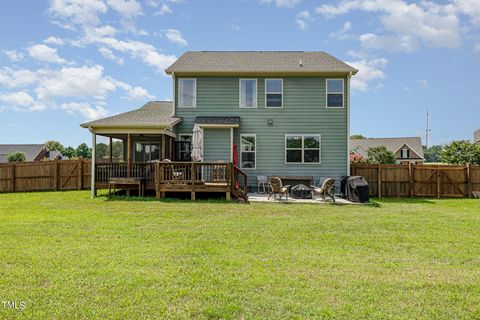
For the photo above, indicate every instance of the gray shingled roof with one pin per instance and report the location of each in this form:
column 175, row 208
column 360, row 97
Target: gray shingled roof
column 155, row 113
column 392, row 144
column 258, row 62
column 218, row 120
column 476, row 136
column 31, row 150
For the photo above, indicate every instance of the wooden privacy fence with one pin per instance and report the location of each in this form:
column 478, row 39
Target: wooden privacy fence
column 419, row 180
column 45, row 175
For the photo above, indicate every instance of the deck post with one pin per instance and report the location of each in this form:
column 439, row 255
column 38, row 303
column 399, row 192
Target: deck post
column 129, row 154
column 231, row 145
column 111, row 149
column 94, row 153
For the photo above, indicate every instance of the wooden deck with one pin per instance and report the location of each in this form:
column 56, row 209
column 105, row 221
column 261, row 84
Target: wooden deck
column 190, row 177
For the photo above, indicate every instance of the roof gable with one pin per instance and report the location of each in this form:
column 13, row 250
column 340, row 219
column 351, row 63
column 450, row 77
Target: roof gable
column 31, row 151
column 392, row 144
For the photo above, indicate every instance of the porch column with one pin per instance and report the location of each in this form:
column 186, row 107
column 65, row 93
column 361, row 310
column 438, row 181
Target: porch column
column 111, row 149
column 231, row 144
column 94, row 154
column 129, row 154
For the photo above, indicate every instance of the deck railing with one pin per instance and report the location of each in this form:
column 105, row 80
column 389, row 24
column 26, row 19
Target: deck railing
column 173, row 172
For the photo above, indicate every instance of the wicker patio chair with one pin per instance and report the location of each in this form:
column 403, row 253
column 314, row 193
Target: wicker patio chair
column 276, row 187
column 326, row 189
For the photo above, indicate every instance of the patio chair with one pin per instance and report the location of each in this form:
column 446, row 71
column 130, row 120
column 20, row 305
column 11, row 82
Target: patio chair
column 263, row 182
column 276, row 187
column 327, row 188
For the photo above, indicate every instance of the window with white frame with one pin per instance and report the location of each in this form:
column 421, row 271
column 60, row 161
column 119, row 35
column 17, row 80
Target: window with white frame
column 302, row 148
column 248, row 93
column 248, row 149
column 187, row 93
column 273, row 93
column 405, row 153
column 335, row 93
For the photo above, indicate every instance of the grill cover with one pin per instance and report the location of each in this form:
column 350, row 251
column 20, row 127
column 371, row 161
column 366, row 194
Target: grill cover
column 357, row 189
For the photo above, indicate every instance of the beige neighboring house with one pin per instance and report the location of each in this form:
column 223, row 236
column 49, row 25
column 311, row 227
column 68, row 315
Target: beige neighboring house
column 476, row 136
column 408, row 149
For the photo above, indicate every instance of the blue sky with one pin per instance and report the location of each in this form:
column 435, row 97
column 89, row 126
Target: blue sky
column 63, row 62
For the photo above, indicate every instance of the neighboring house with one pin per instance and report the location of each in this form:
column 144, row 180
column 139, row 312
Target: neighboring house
column 476, row 136
column 52, row 155
column 33, row 152
column 407, row 150
column 287, row 113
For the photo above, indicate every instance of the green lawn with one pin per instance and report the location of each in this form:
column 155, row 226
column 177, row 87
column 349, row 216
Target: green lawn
column 67, row 256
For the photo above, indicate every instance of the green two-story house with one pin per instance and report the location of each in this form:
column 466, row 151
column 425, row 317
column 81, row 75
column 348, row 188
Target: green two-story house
column 277, row 112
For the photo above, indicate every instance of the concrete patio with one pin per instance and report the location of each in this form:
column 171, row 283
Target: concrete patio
column 263, row 197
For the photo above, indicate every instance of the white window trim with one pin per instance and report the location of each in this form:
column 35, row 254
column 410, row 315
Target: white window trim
column 404, row 153
column 343, row 93
column 180, row 92
column 303, row 148
column 241, row 161
column 240, row 93
column 266, row 79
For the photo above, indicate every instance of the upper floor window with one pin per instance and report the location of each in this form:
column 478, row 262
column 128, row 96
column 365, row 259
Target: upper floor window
column 187, row 93
column 248, row 149
column 405, row 153
column 335, row 93
column 273, row 93
column 302, row 148
column 248, row 93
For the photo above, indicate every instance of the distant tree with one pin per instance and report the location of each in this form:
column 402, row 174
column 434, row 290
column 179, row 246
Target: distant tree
column 70, row 152
column 16, row 157
column 432, row 154
column 84, row 151
column 461, row 152
column 380, row 155
column 53, row 145
column 117, row 149
column 102, row 150
column 357, row 136
column 356, row 158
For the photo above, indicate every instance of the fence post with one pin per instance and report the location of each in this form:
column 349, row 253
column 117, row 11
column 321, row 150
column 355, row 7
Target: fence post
column 439, row 187
column 411, row 177
column 379, row 178
column 80, row 174
column 14, row 167
column 55, row 174
column 469, row 181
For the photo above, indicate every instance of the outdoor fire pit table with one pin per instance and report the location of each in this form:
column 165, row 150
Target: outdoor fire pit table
column 301, row 191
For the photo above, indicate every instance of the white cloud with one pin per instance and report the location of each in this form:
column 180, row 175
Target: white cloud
column 303, row 19
column 21, row 101
column 342, row 33
column 44, row 53
column 82, row 12
column 477, row 49
column 423, row 82
column 164, row 9
column 369, row 70
column 54, row 40
column 75, row 82
column 13, row 78
column 84, row 109
column 14, row 55
column 127, row 8
column 108, row 54
column 134, row 93
column 282, row 3
column 409, row 26
column 175, row 36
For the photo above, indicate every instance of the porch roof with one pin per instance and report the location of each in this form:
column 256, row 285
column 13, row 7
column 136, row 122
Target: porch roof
column 154, row 114
column 218, row 121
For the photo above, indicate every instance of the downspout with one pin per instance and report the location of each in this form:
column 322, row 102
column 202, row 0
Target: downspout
column 348, row 123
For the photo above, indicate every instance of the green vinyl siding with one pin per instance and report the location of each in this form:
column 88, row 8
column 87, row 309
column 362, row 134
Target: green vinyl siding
column 304, row 112
column 216, row 145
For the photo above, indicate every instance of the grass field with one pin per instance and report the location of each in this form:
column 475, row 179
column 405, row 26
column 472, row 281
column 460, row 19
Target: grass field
column 69, row 257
